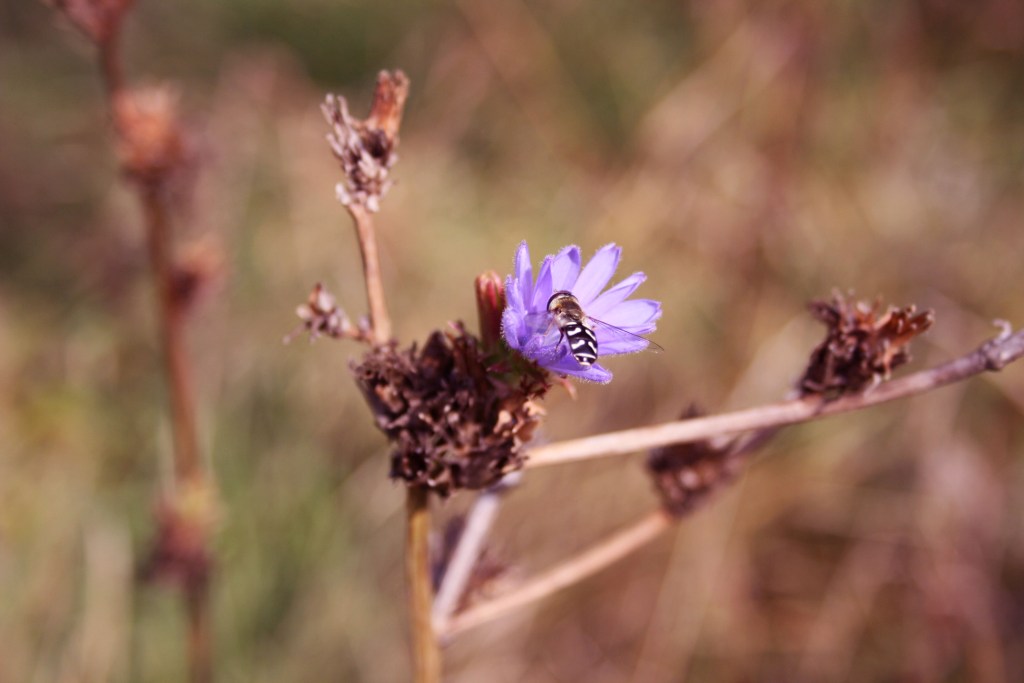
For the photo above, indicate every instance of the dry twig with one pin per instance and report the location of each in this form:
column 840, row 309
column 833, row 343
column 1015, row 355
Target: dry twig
column 565, row 574
column 993, row 355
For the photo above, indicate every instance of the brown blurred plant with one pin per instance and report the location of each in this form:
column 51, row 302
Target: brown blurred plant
column 196, row 271
column 180, row 551
column 100, row 20
column 153, row 149
column 152, row 143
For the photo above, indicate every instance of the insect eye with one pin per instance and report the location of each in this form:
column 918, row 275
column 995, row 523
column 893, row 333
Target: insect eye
column 556, row 299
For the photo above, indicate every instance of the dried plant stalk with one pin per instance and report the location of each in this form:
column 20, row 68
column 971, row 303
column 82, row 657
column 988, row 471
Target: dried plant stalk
column 579, row 567
column 187, row 463
column 153, row 150
column 458, row 573
column 365, row 150
column 380, row 321
column 993, row 355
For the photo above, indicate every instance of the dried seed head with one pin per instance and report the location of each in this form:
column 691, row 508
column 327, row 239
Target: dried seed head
column 97, row 19
column 861, row 348
column 366, row 148
column 321, row 315
column 686, row 474
column 453, row 422
column 152, row 142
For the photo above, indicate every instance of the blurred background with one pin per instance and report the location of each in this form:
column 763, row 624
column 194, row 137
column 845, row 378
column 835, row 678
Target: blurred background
column 749, row 157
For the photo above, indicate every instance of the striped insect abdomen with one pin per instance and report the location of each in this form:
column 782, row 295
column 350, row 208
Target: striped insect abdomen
column 582, row 343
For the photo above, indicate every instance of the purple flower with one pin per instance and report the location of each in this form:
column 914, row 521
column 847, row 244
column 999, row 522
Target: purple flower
column 529, row 328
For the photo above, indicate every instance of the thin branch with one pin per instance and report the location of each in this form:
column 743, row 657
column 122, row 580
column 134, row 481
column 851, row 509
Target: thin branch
column 460, row 568
column 379, row 320
column 589, row 562
column 993, row 355
column 426, row 654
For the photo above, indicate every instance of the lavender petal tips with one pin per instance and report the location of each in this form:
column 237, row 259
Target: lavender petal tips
column 528, row 327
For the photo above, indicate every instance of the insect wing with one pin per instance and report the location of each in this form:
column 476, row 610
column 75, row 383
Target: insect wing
column 610, row 335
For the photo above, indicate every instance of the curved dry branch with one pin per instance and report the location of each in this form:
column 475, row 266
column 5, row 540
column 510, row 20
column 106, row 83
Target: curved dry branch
column 993, row 355
column 577, row 568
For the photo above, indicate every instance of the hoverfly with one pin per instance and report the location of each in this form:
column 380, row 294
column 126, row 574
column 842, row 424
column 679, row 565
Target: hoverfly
column 577, row 328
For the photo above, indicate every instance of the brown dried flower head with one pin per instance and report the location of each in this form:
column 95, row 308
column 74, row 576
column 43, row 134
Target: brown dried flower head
column 97, row 19
column 152, row 141
column 453, row 422
column 366, row 148
column 321, row 315
column 861, row 347
column 686, row 474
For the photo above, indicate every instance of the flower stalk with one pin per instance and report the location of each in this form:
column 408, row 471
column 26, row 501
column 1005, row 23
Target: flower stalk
column 380, row 321
column 426, row 653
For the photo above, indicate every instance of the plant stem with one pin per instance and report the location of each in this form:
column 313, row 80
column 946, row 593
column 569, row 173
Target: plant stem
column 367, row 237
column 426, row 654
column 993, row 355
column 200, row 638
column 577, row 568
column 110, row 67
column 187, row 464
column 188, row 468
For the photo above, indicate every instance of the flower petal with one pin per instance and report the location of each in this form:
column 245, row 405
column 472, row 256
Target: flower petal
column 513, row 324
column 622, row 344
column 527, row 326
column 596, row 274
column 633, row 315
column 614, row 296
column 544, row 288
column 570, row 366
column 565, row 269
column 511, row 330
column 524, row 271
